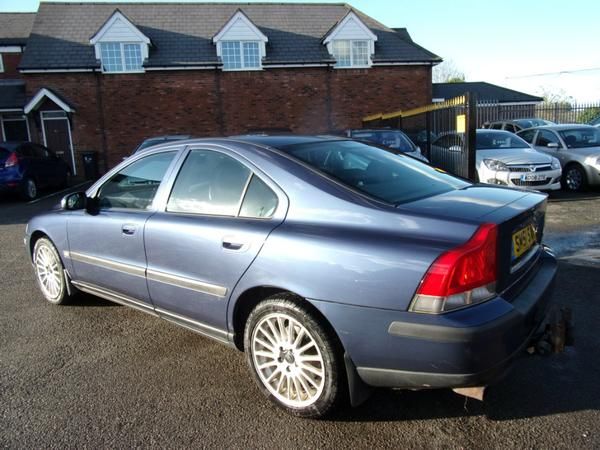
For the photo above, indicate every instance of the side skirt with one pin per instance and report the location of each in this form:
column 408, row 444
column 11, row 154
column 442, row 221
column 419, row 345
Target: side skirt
column 206, row 330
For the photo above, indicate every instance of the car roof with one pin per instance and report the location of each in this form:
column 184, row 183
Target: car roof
column 565, row 126
column 283, row 140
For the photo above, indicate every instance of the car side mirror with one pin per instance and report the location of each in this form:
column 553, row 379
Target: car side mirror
column 553, row 145
column 74, row 201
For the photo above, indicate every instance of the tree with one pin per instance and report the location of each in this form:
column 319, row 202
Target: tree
column 447, row 72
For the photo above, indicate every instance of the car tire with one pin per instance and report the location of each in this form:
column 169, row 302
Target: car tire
column 30, row 189
column 574, row 178
column 49, row 272
column 302, row 373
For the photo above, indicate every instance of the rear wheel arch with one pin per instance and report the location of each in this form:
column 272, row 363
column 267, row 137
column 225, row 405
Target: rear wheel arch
column 249, row 299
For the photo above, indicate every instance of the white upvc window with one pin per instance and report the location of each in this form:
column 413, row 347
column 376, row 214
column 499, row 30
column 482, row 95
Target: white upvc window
column 121, row 57
column 351, row 53
column 240, row 55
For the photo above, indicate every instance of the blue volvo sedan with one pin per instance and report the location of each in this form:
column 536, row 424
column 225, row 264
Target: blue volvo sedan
column 333, row 264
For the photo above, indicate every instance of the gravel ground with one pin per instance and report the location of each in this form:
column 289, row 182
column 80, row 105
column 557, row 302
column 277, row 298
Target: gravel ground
column 94, row 374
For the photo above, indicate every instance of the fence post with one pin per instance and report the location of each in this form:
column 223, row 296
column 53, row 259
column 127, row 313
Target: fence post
column 428, row 137
column 471, row 135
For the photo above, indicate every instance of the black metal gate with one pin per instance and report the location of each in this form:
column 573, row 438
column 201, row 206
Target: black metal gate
column 444, row 131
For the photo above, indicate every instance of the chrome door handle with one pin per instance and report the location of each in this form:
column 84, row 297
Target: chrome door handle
column 129, row 230
column 232, row 245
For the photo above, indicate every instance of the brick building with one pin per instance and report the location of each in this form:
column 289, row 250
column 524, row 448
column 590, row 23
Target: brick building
column 103, row 77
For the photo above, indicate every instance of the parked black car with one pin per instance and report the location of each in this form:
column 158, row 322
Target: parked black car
column 26, row 167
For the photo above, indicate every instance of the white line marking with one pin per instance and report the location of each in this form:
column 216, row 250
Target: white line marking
column 56, row 193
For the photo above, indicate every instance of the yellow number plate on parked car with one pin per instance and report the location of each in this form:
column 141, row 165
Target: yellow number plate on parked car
column 523, row 240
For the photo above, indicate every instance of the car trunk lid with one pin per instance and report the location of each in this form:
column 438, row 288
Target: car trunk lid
column 519, row 216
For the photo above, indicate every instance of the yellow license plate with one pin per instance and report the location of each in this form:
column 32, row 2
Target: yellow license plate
column 523, row 240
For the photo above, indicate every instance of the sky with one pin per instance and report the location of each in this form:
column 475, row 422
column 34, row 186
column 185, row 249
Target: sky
column 535, row 46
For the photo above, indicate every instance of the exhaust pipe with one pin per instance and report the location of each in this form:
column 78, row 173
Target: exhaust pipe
column 471, row 392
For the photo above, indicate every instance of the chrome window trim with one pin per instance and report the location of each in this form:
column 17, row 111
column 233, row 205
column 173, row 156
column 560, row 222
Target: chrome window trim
column 186, row 283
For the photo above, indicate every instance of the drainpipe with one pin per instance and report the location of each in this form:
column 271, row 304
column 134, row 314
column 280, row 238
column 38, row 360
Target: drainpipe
column 101, row 122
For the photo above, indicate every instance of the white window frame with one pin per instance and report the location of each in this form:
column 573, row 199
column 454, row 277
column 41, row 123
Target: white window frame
column 122, row 49
column 352, row 64
column 14, row 119
column 243, row 61
column 1, row 64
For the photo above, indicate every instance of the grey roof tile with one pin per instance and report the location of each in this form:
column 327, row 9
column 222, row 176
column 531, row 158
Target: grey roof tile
column 485, row 92
column 15, row 28
column 181, row 33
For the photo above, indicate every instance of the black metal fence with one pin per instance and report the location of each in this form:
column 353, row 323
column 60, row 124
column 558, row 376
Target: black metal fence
column 562, row 112
column 444, row 131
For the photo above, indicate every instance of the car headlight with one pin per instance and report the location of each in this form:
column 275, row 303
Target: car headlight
column 555, row 163
column 494, row 164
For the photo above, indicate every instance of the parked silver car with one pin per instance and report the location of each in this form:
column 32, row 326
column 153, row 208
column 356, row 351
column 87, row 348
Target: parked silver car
column 577, row 147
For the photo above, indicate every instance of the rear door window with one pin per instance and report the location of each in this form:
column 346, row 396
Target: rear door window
column 528, row 135
column 209, row 182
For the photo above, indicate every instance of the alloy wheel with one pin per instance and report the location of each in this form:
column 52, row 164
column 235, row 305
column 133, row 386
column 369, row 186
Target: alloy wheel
column 574, row 179
column 48, row 271
column 288, row 360
column 31, row 189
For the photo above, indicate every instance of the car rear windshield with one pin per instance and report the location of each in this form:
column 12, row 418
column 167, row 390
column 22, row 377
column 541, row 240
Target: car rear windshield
column 392, row 139
column 581, row 137
column 528, row 123
column 499, row 140
column 386, row 175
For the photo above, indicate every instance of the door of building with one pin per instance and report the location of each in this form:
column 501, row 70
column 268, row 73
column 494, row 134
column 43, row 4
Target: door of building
column 57, row 136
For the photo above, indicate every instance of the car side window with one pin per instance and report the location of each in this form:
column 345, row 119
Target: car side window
column 260, row 201
column 496, row 126
column 135, row 186
column 528, row 135
column 510, row 127
column 209, row 182
column 546, row 137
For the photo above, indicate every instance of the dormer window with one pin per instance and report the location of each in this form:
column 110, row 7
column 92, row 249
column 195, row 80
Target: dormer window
column 238, row 55
column 351, row 43
column 349, row 53
column 120, row 46
column 240, row 44
column 121, row 57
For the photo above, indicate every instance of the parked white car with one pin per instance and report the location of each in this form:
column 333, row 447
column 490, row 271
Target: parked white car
column 505, row 159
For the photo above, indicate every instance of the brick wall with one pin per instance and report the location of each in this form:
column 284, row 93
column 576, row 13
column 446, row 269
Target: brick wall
column 11, row 62
column 122, row 110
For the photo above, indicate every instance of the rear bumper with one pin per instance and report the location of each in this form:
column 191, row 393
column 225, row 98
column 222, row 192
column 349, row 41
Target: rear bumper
column 470, row 347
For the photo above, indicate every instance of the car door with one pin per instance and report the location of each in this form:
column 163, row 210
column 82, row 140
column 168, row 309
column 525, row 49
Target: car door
column 212, row 225
column 106, row 241
column 548, row 142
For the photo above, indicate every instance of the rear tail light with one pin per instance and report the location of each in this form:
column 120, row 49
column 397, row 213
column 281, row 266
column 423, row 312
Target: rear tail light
column 11, row 161
column 462, row 276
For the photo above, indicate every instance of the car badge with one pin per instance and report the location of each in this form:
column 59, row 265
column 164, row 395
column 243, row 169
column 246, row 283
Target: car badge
column 532, row 168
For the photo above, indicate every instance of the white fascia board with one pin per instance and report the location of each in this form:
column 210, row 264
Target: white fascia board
column 37, row 98
column 350, row 16
column 11, row 49
column 117, row 15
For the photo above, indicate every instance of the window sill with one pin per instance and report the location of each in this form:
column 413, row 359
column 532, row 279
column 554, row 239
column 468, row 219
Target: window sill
column 123, row 72
column 250, row 69
column 351, row 67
